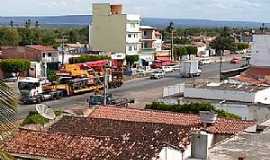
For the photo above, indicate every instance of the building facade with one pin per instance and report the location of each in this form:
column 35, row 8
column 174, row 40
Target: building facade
column 113, row 31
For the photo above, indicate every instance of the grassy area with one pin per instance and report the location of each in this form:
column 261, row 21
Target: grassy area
column 193, row 108
column 35, row 118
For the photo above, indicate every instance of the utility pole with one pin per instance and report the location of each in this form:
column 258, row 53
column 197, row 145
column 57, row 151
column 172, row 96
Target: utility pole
column 220, row 65
column 105, row 86
column 62, row 41
column 172, row 44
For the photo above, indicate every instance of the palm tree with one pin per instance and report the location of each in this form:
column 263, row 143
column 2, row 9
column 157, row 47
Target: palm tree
column 8, row 103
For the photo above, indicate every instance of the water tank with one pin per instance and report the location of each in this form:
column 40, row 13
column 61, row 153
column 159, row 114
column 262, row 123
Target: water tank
column 116, row 9
column 208, row 117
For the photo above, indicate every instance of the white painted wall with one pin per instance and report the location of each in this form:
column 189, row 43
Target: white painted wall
column 263, row 96
column 230, row 95
column 169, row 153
column 260, row 50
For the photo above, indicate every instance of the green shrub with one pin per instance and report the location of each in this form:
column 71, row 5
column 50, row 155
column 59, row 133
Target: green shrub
column 193, row 108
column 35, row 118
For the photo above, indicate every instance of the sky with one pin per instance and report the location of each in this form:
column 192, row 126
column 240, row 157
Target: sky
column 243, row 10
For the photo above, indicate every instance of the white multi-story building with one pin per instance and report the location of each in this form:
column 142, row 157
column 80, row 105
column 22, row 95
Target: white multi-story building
column 133, row 44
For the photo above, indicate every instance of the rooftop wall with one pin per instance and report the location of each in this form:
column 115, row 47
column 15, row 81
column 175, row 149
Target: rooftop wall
column 229, row 95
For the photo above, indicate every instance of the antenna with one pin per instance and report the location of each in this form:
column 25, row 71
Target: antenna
column 45, row 111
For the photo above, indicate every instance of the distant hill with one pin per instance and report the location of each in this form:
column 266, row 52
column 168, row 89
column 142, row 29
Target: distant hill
column 84, row 20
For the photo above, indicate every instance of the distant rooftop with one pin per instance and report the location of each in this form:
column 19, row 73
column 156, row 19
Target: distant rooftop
column 231, row 86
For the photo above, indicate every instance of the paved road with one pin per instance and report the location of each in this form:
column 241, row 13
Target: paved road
column 143, row 90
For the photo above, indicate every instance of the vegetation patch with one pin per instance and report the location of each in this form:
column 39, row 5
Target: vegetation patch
column 35, row 118
column 193, row 108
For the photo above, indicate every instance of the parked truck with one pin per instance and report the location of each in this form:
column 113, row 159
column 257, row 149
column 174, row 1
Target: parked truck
column 190, row 68
column 72, row 79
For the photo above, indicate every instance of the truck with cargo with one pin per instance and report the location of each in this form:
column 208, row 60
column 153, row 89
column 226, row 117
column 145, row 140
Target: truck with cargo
column 190, row 68
column 72, row 79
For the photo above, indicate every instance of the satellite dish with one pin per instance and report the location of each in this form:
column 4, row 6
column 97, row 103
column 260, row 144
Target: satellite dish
column 45, row 111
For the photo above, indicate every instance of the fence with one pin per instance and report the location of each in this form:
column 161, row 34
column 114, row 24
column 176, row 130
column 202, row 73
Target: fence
column 173, row 90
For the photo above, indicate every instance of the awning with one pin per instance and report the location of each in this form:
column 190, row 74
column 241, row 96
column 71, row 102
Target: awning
column 164, row 58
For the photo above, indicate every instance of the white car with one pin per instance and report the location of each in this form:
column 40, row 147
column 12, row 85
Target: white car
column 157, row 74
column 167, row 69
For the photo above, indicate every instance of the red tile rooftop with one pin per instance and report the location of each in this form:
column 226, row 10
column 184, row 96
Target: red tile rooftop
column 115, row 133
column 256, row 76
column 41, row 48
column 222, row 126
column 61, row 146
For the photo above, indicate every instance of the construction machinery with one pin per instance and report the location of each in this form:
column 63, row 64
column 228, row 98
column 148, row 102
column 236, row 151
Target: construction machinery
column 72, row 79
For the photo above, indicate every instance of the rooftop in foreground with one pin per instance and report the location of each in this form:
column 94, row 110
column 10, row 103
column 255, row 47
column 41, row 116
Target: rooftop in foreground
column 115, row 133
column 250, row 146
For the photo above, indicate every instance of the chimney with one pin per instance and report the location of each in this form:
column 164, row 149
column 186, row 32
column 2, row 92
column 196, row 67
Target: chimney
column 199, row 145
column 116, row 9
column 208, row 118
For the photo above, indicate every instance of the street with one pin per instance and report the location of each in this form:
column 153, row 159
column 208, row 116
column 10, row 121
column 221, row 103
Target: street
column 144, row 90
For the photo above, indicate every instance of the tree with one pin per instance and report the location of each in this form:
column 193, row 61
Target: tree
column 223, row 42
column 8, row 102
column 9, row 37
column 241, row 46
column 16, row 66
column 37, row 24
column 181, row 52
column 191, row 50
column 131, row 59
column 11, row 23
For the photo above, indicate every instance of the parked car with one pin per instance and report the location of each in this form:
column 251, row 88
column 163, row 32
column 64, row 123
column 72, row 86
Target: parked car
column 167, row 69
column 236, row 60
column 141, row 72
column 158, row 74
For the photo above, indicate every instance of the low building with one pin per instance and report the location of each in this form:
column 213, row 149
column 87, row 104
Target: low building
column 71, row 51
column 46, row 55
column 229, row 92
column 114, row 133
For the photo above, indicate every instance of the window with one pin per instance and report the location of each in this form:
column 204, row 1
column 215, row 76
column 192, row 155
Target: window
column 144, row 33
column 135, row 48
column 130, row 48
column 49, row 54
column 135, row 35
column 129, row 35
column 132, row 25
column 44, row 55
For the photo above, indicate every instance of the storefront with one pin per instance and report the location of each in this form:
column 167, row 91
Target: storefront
column 163, row 55
column 118, row 59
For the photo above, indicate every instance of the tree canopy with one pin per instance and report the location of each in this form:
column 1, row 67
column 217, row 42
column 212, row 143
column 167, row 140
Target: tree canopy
column 15, row 66
column 224, row 41
column 131, row 59
column 45, row 36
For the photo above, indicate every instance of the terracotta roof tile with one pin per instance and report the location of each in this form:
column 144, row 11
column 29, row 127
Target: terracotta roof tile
column 223, row 126
column 255, row 75
column 41, row 48
column 72, row 147
column 113, row 133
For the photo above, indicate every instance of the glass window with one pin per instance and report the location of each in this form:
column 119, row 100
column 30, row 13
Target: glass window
column 130, row 48
column 129, row 35
column 44, row 55
column 49, row 54
column 135, row 48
